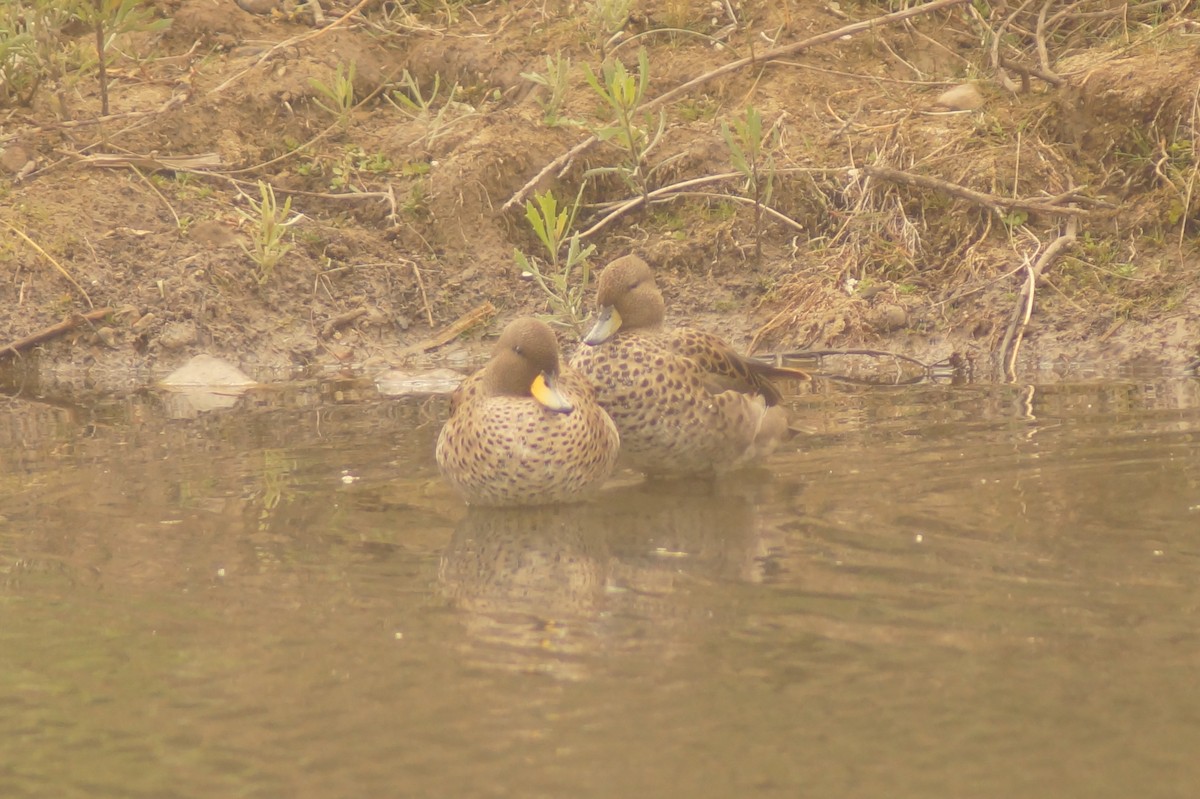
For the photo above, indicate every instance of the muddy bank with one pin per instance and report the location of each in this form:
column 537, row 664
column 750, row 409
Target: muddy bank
column 867, row 207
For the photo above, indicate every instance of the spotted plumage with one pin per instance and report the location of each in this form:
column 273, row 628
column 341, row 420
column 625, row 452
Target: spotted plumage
column 683, row 400
column 522, row 431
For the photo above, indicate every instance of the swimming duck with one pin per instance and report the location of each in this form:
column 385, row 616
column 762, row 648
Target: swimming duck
column 522, row 431
column 683, row 400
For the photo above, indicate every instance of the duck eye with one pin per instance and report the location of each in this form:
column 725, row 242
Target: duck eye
column 517, row 349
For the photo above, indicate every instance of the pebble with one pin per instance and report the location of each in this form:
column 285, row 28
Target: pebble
column 177, row 335
column 965, row 97
column 143, row 324
column 887, row 318
column 107, row 336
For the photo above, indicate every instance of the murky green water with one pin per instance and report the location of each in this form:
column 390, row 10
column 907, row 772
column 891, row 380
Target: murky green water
column 945, row 591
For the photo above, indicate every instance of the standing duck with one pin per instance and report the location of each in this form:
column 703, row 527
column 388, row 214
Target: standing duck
column 684, row 401
column 523, row 432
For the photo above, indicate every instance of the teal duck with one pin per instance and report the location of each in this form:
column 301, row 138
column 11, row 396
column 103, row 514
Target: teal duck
column 522, row 431
column 684, row 401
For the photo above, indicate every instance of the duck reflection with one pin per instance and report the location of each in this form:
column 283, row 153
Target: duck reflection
column 546, row 589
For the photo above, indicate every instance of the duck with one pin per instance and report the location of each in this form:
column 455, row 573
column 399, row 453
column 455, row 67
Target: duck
column 524, row 430
column 684, row 401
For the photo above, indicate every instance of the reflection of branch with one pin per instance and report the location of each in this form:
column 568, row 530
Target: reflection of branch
column 54, row 331
column 1024, row 307
column 1049, row 205
column 778, row 359
column 754, row 60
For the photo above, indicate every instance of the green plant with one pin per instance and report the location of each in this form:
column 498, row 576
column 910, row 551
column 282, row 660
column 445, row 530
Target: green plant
column 340, row 95
column 414, row 104
column 555, row 81
column 697, row 108
column 355, row 161
column 565, row 281
column 271, row 222
column 624, row 93
column 111, row 18
column 752, row 152
column 411, row 101
column 34, row 47
column 19, row 75
column 610, row 15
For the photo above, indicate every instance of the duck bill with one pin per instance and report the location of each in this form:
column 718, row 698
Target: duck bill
column 606, row 325
column 548, row 396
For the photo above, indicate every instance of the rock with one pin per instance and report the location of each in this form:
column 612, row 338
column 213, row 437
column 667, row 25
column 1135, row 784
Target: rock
column 204, row 383
column 964, row 97
column 16, row 158
column 107, row 336
column 144, row 324
column 177, row 335
column 888, row 317
column 207, row 371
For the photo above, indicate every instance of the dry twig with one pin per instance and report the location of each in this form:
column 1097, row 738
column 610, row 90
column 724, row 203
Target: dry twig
column 342, row 320
column 50, row 258
column 53, row 331
column 1011, row 344
column 1048, row 205
column 477, row 315
column 421, row 288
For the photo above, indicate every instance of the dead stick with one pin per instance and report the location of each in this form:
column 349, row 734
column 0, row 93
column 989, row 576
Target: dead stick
column 733, row 66
column 62, row 270
column 341, row 320
column 980, row 198
column 421, row 287
column 54, row 331
column 480, row 313
column 1026, row 72
column 1011, row 344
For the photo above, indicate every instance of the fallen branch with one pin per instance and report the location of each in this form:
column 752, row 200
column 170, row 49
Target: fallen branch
column 52, row 332
column 1011, row 344
column 1028, row 72
column 477, row 315
column 205, row 162
column 995, row 202
column 771, row 55
column 342, row 320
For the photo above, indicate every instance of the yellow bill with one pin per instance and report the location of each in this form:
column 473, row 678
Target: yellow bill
column 608, row 323
column 548, row 396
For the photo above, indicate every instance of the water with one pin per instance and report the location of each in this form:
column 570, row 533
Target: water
column 941, row 591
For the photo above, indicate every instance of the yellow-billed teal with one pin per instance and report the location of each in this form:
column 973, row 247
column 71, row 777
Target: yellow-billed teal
column 684, row 402
column 522, row 431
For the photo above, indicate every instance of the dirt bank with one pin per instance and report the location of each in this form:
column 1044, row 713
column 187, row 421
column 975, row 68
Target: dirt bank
column 795, row 188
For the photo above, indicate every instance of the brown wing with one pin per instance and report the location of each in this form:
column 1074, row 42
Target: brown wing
column 728, row 369
column 467, row 390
